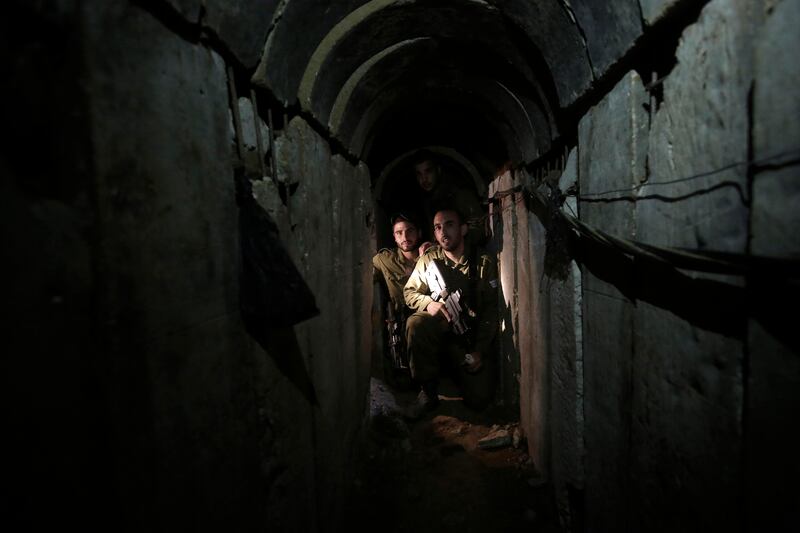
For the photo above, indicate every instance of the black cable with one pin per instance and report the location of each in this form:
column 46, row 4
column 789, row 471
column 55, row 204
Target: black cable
column 680, row 258
column 756, row 163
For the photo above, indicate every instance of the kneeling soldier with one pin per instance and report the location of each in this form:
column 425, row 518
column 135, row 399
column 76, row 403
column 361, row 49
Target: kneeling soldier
column 455, row 320
column 394, row 266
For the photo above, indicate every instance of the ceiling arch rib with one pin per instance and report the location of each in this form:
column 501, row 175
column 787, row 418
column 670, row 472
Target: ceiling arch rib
column 431, row 69
column 550, row 27
column 425, row 58
column 326, row 46
column 545, row 29
column 484, row 96
column 344, row 97
column 292, row 42
column 340, row 66
column 345, row 49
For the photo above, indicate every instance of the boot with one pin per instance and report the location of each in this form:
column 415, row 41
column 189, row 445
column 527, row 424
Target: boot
column 427, row 400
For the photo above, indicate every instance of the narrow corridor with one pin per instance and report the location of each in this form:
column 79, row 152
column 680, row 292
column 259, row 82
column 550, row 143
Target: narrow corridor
column 192, row 192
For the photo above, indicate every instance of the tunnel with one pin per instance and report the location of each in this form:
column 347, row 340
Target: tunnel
column 193, row 195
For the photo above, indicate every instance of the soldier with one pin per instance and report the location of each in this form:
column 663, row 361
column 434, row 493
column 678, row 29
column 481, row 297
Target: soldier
column 394, row 266
column 440, row 189
column 432, row 341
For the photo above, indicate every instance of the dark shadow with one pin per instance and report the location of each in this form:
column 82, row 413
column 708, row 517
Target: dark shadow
column 508, row 389
column 771, row 285
column 273, row 296
column 394, row 373
column 402, row 193
column 712, row 305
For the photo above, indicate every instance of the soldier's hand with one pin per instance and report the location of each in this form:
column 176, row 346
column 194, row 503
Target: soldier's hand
column 425, row 245
column 476, row 362
column 438, row 309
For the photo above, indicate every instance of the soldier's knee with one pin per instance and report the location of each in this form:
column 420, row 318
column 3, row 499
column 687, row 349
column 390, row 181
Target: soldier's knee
column 418, row 322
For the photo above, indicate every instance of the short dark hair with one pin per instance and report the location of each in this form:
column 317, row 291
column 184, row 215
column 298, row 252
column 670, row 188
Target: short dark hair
column 420, row 156
column 450, row 207
column 403, row 217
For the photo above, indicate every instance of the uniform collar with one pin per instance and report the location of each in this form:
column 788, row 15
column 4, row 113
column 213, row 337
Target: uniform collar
column 464, row 258
column 401, row 257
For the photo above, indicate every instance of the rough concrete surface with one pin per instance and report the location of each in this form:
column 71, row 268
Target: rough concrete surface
column 569, row 176
column 549, row 26
column 701, row 127
column 686, row 363
column 653, row 10
column 504, row 243
column 519, row 240
column 612, row 145
column 328, row 247
column 566, row 390
column 178, row 364
column 288, row 50
column 250, row 138
column 774, row 368
column 776, row 136
column 241, row 25
column 610, row 29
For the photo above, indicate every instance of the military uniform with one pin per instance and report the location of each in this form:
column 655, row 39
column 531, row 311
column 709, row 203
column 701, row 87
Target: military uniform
column 429, row 337
column 395, row 269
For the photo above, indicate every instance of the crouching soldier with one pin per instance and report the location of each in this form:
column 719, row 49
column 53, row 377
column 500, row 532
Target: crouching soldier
column 394, row 266
column 453, row 293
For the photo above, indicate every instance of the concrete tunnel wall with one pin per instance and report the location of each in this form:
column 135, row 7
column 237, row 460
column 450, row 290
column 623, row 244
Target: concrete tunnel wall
column 169, row 415
column 644, row 394
column 135, row 386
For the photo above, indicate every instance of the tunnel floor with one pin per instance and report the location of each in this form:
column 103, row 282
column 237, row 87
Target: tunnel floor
column 432, row 475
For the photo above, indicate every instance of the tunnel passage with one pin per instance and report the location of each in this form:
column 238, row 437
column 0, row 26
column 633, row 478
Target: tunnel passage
column 652, row 395
column 434, row 66
column 472, row 79
column 509, row 83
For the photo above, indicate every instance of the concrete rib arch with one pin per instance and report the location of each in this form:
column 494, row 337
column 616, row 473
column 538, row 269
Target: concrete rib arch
column 343, row 98
column 342, row 29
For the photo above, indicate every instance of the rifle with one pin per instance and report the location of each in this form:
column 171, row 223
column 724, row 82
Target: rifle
column 452, row 299
column 397, row 345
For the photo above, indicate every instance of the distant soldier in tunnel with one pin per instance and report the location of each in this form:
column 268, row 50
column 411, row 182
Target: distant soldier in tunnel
column 440, row 189
column 393, row 267
column 453, row 293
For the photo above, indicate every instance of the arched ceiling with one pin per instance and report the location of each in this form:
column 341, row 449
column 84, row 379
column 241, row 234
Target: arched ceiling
column 485, row 77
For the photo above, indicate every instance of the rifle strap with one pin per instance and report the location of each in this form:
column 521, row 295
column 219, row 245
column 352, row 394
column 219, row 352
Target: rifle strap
column 473, row 262
column 473, row 276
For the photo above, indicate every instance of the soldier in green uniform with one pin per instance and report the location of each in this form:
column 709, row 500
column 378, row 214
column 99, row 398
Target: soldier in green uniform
column 433, row 345
column 393, row 267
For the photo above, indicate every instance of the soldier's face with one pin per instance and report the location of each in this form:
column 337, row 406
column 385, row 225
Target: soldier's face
column 427, row 175
column 448, row 230
column 406, row 236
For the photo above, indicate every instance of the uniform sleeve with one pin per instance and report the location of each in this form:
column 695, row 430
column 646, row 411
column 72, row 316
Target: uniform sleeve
column 487, row 314
column 377, row 272
column 416, row 292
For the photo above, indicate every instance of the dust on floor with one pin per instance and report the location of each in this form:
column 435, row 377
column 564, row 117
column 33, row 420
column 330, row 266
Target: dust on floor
column 437, row 474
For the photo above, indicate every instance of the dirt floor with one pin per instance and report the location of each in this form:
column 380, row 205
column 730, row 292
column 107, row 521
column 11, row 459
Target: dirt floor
column 432, row 475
